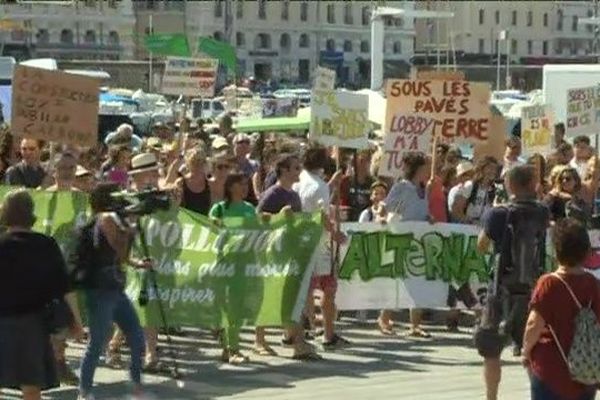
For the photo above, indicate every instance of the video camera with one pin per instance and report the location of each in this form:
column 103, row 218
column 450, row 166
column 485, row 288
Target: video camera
column 140, row 203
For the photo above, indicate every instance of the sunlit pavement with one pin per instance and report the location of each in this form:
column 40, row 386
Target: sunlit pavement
column 373, row 366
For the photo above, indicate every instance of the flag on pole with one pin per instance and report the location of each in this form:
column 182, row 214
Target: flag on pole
column 503, row 34
column 222, row 51
column 168, row 44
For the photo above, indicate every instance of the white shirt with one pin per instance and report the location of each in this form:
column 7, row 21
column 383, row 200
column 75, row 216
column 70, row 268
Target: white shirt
column 476, row 208
column 580, row 166
column 313, row 192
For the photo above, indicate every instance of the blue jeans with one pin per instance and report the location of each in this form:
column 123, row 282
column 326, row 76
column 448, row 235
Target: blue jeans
column 540, row 391
column 104, row 307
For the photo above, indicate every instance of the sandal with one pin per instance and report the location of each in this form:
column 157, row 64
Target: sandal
column 237, row 358
column 307, row 356
column 420, row 333
column 264, row 350
column 155, row 367
column 386, row 329
column 225, row 355
column 114, row 361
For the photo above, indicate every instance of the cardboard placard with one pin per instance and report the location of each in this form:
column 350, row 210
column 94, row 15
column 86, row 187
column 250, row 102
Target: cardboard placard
column 495, row 144
column 324, row 79
column 583, row 111
column 193, row 77
column 340, row 118
column 460, row 109
column 537, row 124
column 404, row 133
column 55, row 106
column 282, row 107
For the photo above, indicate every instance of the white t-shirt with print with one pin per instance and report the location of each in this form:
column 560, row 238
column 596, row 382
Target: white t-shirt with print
column 477, row 207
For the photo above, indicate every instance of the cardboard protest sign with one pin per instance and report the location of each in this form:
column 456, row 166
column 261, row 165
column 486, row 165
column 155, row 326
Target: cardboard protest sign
column 537, row 124
column 324, row 79
column 404, row 133
column 283, row 107
column 459, row 109
column 340, row 118
column 583, row 111
column 55, row 106
column 495, row 144
column 190, row 77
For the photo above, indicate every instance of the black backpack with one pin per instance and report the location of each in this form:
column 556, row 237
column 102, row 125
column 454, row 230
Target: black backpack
column 82, row 259
column 523, row 249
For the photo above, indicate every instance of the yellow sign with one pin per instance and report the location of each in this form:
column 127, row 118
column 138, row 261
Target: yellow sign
column 536, row 129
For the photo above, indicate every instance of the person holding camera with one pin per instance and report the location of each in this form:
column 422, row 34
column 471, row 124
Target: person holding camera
column 518, row 233
column 109, row 240
column 34, row 274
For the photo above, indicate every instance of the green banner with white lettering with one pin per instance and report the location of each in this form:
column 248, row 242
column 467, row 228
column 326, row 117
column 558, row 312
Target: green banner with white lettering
column 247, row 272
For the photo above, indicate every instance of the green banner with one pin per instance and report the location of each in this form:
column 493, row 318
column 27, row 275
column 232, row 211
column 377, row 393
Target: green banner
column 222, row 51
column 247, row 272
column 167, row 44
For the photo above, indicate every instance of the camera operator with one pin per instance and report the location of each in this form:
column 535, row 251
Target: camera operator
column 104, row 287
column 144, row 175
column 518, row 233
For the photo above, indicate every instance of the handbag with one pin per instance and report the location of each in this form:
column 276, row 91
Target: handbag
column 583, row 358
column 57, row 315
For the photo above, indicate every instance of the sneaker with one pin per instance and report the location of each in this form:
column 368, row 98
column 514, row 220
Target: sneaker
column 287, row 342
column 66, row 375
column 335, row 343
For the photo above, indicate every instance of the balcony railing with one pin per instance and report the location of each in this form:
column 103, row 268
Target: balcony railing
column 78, row 46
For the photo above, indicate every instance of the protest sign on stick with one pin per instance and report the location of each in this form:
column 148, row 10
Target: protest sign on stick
column 583, row 111
column 190, row 77
column 340, row 118
column 55, row 106
column 536, row 129
column 459, row 109
column 324, row 79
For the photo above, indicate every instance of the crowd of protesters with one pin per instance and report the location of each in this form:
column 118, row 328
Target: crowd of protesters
column 227, row 174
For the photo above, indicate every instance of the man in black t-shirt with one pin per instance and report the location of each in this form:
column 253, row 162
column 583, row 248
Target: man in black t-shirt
column 28, row 172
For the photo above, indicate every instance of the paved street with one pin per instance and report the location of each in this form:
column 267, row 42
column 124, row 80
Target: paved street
column 442, row 368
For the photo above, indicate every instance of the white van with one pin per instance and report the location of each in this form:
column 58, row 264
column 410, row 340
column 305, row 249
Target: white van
column 206, row 108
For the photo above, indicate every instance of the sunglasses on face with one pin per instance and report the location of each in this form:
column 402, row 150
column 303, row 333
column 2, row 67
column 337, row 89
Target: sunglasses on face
column 567, row 178
column 28, row 148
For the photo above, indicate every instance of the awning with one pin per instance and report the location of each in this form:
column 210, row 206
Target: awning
column 278, row 124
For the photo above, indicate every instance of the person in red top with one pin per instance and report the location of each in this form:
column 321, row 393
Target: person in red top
column 548, row 371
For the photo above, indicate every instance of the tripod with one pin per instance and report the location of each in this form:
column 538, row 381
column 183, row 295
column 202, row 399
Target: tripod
column 143, row 300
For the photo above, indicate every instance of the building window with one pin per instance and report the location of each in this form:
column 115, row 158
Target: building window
column 331, row 13
column 574, row 23
column 113, row 38
column 496, row 45
column 573, row 48
column 304, row 41
column 262, row 12
column 559, row 20
column 219, row 9
column 397, row 48
column 365, row 14
column 481, row 17
column 285, row 42
column 43, row 36
column 112, row 3
column 240, row 39
column 399, row 22
column 150, row 5
column 347, row 46
column 218, row 35
column 90, row 3
column 285, row 10
column 529, row 18
column 304, row 11
column 481, row 46
column 348, row 19
column 545, row 19
column 513, row 45
column 148, row 31
column 529, row 47
column 545, row 47
column 330, row 45
column 497, row 17
column 514, row 18
column 263, row 41
column 239, row 10
column 590, row 14
column 90, row 37
column 364, row 46
column 66, row 36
